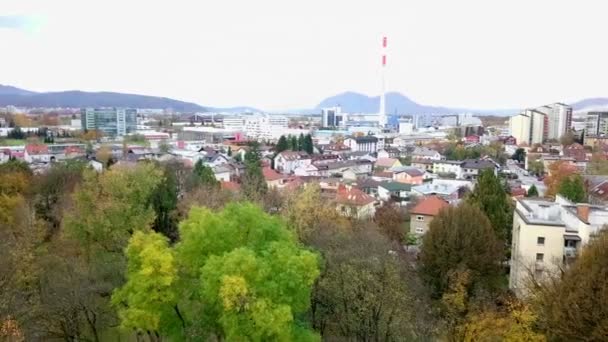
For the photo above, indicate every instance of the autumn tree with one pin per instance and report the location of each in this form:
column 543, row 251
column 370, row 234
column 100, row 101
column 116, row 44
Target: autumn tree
column 598, row 165
column 574, row 306
column 461, row 239
column 558, row 172
column 390, row 219
column 235, row 275
column 567, row 139
column 490, row 196
column 104, row 155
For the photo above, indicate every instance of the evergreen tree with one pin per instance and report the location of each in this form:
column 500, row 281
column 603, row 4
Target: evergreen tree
column 532, row 192
column 293, row 143
column 282, row 144
column 308, row 145
column 203, row 174
column 229, row 153
column 253, row 183
column 573, row 188
column 490, row 196
column 301, row 142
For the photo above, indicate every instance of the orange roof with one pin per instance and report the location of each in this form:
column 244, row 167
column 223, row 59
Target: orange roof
column 430, row 206
column 230, row 186
column 386, row 162
column 271, row 175
column 353, row 196
column 36, row 149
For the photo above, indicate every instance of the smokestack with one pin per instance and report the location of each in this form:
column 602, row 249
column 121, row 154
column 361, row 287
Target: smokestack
column 382, row 120
column 582, row 211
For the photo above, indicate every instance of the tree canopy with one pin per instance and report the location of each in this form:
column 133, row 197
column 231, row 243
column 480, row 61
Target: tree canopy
column 573, row 188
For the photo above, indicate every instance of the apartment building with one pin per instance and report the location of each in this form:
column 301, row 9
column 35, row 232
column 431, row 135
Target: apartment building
column 548, row 236
column 596, row 124
column 535, row 126
column 333, row 117
column 559, row 119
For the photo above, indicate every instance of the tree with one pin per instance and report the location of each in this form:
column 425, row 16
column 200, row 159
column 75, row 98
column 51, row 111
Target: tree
column 567, row 139
column 519, row 155
column 574, row 306
column 461, row 239
column 598, row 165
column 229, row 152
column 300, row 142
column 164, row 202
column 104, row 155
column 164, row 147
column 532, row 192
column 490, row 196
column 282, row 144
column 537, row 167
column 573, row 188
column 558, row 172
column 308, row 145
column 366, row 292
column 203, row 174
column 253, row 182
column 391, row 221
column 293, row 143
column 237, row 274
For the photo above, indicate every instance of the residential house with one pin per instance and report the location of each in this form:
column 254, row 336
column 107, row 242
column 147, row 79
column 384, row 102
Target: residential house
column 472, row 168
column 450, row 190
column 215, row 159
column 273, row 178
column 389, row 152
column 37, row 153
column 548, row 236
column 408, row 175
column 598, row 192
column 426, row 153
column 287, row 162
column 448, row 167
column 423, row 164
column 358, row 168
column 387, row 163
column 222, row 172
column 366, row 143
column 334, row 148
column 353, row 202
column 394, row 192
column 423, row 213
column 578, row 153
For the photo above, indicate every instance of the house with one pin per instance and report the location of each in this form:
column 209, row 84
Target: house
column 395, row 192
column 548, row 236
column 357, row 168
column 424, row 212
column 273, row 178
column 337, row 148
column 450, row 190
column 425, row 153
column 472, row 168
column 423, row 164
column 407, row 174
column 389, row 152
column 37, row 153
column 366, row 143
column 215, row 159
column 598, row 193
column 578, row 153
column 369, row 186
column 222, row 173
column 382, row 176
column 95, row 165
column 387, row 163
column 446, row 168
column 353, row 202
column 288, row 161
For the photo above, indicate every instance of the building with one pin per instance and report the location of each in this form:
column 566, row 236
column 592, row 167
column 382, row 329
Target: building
column 535, row 126
column 288, row 161
column 423, row 213
column 448, row 167
column 472, row 168
column 425, row 153
column 406, row 127
column 407, row 174
column 353, row 202
column 366, row 143
column 333, row 117
column 559, row 119
column 111, row 121
column 596, row 124
column 394, row 192
column 387, row 163
column 548, row 236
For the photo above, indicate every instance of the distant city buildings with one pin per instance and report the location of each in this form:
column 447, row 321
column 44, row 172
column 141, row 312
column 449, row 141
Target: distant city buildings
column 333, row 117
column 111, row 121
column 535, row 126
column 597, row 124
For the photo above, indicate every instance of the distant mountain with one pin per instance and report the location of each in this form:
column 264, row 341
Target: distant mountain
column 234, row 110
column 598, row 102
column 23, row 98
column 352, row 102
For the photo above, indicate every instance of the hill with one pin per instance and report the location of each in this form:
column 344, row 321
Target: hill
column 22, row 98
column 598, row 102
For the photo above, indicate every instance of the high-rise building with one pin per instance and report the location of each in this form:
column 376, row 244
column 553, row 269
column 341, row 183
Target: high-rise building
column 110, row 121
column 333, row 117
column 596, row 124
column 559, row 119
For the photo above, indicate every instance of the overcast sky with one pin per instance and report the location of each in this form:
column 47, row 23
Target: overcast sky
column 278, row 54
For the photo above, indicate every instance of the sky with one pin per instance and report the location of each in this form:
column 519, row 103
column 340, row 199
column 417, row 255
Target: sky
column 285, row 54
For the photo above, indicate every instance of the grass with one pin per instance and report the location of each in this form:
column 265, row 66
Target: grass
column 12, row 142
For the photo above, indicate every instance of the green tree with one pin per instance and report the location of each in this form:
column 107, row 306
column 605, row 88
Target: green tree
column 536, row 167
column 301, row 142
column 575, row 305
column 519, row 155
column 461, row 239
column 164, row 147
column 573, row 188
column 282, row 144
column 308, row 145
column 253, row 183
column 293, row 143
column 532, row 192
column 229, row 152
column 203, row 174
column 164, row 202
column 567, row 139
column 490, row 196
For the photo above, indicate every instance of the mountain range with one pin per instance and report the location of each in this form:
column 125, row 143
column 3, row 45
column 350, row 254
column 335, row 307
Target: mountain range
column 351, row 102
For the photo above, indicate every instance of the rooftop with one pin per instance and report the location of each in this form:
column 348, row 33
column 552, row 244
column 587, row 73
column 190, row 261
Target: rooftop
column 430, row 206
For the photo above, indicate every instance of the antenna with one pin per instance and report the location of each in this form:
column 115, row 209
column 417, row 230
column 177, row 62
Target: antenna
column 382, row 120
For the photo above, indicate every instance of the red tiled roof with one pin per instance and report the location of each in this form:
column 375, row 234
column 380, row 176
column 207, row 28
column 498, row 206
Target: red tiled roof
column 352, row 196
column 601, row 191
column 430, row 206
column 518, row 192
column 230, row 186
column 36, row 149
column 271, row 175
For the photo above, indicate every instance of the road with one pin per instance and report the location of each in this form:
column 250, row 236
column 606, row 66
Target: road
column 526, row 180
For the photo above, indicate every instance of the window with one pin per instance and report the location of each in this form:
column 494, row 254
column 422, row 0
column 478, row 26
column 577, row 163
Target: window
column 540, row 240
column 419, row 218
column 419, row 230
column 540, row 256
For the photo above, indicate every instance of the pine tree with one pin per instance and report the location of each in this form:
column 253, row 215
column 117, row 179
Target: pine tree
column 532, row 192
column 301, row 142
column 253, row 182
column 308, row 145
column 282, row 144
column 293, row 143
column 203, row 174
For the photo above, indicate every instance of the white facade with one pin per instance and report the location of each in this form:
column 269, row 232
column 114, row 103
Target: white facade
column 234, row 123
column 406, row 127
column 333, row 117
column 559, row 119
column 548, row 236
column 448, row 166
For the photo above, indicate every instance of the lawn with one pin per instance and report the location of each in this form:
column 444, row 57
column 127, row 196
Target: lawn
column 12, row 142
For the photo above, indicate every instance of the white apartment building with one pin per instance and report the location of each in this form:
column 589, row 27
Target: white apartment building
column 333, row 117
column 268, row 127
column 548, row 236
column 528, row 127
column 559, row 119
column 596, row 124
column 236, row 123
